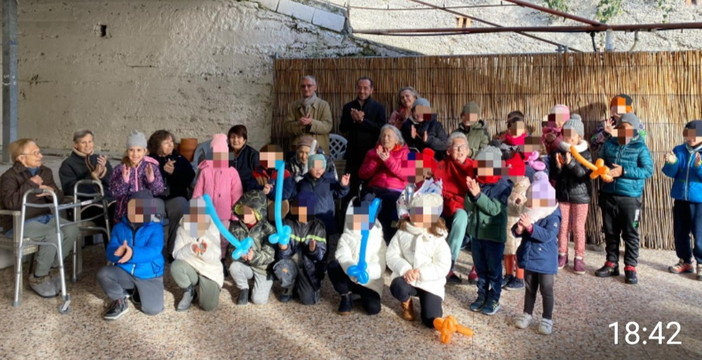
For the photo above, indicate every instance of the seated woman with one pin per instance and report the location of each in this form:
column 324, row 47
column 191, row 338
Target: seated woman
column 178, row 175
column 386, row 175
column 423, row 130
column 297, row 163
column 242, row 157
column 28, row 173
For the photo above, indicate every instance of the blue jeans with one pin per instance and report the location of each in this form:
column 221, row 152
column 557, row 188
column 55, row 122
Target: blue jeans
column 687, row 217
column 487, row 257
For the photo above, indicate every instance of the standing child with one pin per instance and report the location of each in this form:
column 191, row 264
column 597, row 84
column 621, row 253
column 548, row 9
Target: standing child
column 620, row 104
column 300, row 264
column 573, row 187
column 420, row 258
column 325, row 188
column 630, row 165
column 486, row 202
column 538, row 227
column 135, row 249
column 196, row 268
column 684, row 164
column 251, row 210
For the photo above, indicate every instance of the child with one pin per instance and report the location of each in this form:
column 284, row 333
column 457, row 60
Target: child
column 136, row 172
column 630, row 165
column 552, row 129
column 300, row 265
column 473, row 128
column 573, row 187
column 347, row 255
column 221, row 182
column 135, row 249
column 684, row 165
column 197, row 268
column 420, row 258
column 297, row 163
column 486, row 202
column 266, row 176
column 620, row 104
column 325, row 189
column 251, row 210
column 538, row 227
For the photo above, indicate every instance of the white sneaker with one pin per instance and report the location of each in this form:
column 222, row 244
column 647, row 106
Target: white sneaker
column 546, row 327
column 522, row 321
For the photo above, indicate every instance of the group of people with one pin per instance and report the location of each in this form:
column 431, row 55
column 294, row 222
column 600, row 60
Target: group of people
column 514, row 198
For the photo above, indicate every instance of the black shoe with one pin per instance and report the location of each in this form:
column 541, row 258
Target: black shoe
column 630, row 275
column 243, row 297
column 118, row 308
column 609, row 269
column 133, row 295
column 478, row 304
column 345, row 305
column 507, row 279
column 286, row 295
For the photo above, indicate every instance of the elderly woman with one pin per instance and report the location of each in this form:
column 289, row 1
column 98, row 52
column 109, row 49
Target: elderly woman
column 242, row 157
column 386, row 175
column 423, row 130
column 405, row 99
column 28, row 173
column 453, row 171
column 84, row 164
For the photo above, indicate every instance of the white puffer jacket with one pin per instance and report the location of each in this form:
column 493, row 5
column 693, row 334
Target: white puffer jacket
column 349, row 247
column 206, row 264
column 416, row 248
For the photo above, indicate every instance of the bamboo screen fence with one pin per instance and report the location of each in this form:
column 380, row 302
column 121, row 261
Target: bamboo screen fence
column 666, row 88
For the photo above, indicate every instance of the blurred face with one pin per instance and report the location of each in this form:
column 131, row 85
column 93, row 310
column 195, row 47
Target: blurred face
column 317, row 169
column 166, row 147
column 407, row 98
column 268, row 158
column 300, row 212
column 237, row 142
column 364, row 90
column 31, row 155
column 308, row 87
column 220, row 159
column 458, row 150
column 359, row 221
column 419, row 111
column 534, row 203
column 85, row 144
column 625, row 132
column 571, row 137
column 196, row 219
column 135, row 155
column 692, row 137
column 489, row 167
column 517, row 129
column 135, row 210
column 303, row 152
column 249, row 216
column 388, row 139
column 469, row 119
column 422, row 217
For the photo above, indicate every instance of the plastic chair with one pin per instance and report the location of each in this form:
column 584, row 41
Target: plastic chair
column 337, row 146
column 203, row 151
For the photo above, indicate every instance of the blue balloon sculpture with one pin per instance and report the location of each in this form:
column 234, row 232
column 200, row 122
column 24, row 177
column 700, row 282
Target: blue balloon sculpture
column 240, row 247
column 360, row 270
column 282, row 235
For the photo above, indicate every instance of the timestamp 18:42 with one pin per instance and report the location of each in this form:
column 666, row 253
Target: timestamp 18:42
column 635, row 334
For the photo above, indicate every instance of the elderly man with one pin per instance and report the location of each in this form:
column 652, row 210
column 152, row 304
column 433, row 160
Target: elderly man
column 309, row 115
column 453, row 172
column 361, row 120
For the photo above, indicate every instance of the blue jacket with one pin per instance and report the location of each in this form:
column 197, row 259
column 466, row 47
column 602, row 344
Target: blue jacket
column 636, row 163
column 326, row 190
column 146, row 243
column 687, row 183
column 539, row 250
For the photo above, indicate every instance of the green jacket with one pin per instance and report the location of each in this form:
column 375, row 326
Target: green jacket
column 264, row 252
column 477, row 136
column 487, row 214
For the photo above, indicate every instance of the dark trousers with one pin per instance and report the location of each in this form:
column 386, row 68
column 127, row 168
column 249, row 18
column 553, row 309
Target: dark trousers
column 388, row 211
column 175, row 208
column 487, row 257
column 687, row 217
column 343, row 285
column 430, row 303
column 298, row 279
column 620, row 218
column 539, row 282
column 115, row 282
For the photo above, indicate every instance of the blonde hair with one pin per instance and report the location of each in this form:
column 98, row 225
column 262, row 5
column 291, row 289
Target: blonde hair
column 437, row 228
column 17, row 148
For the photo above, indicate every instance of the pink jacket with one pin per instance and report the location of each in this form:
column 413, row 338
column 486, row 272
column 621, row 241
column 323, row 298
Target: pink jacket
column 389, row 174
column 222, row 184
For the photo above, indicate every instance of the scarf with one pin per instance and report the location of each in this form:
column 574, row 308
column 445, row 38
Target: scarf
column 308, row 102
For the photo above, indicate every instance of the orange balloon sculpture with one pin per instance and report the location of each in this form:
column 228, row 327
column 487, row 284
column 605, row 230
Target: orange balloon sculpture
column 599, row 169
column 447, row 326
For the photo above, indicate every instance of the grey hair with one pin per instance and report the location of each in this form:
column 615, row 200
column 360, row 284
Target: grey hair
column 81, row 134
column 457, row 135
column 395, row 130
column 399, row 94
column 310, row 77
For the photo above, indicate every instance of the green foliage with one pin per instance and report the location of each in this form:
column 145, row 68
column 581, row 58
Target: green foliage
column 667, row 7
column 608, row 9
column 559, row 5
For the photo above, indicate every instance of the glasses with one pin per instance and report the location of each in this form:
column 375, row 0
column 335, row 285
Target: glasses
column 34, row 153
column 306, row 86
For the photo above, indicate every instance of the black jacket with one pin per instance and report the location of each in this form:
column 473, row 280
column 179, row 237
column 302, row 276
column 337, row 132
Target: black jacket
column 573, row 184
column 437, row 140
column 178, row 183
column 245, row 163
column 75, row 168
column 361, row 136
column 312, row 261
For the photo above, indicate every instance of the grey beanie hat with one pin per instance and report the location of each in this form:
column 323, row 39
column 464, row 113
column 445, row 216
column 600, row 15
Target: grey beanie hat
column 421, row 102
column 575, row 123
column 632, row 119
column 136, row 138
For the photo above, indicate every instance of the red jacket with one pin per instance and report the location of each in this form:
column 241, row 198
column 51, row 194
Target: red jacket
column 453, row 176
column 391, row 174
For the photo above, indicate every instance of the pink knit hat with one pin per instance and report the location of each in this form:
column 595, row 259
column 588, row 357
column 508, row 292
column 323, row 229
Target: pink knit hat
column 219, row 143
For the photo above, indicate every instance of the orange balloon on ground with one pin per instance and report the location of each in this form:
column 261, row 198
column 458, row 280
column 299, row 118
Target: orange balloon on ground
column 448, row 326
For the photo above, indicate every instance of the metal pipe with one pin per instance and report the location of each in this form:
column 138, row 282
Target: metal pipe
column 9, row 76
column 555, row 12
column 443, row 7
column 543, row 29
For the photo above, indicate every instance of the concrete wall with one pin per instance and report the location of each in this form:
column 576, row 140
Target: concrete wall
column 193, row 67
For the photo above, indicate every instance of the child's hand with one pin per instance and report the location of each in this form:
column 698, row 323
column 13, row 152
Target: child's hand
column 121, row 249
column 616, row 171
column 150, row 177
column 698, row 161
column 345, row 179
column 126, row 171
column 524, row 221
column 519, row 229
column 559, row 160
column 313, row 245
column 411, row 275
column 670, row 157
column 473, row 186
column 283, row 247
column 249, row 256
column 127, row 253
column 568, row 158
column 267, row 189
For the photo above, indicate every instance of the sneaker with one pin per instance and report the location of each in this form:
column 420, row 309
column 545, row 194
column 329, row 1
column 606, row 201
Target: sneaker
column 473, row 276
column 453, row 279
column 286, row 295
column 345, row 305
column 515, row 284
column 546, row 327
column 562, row 261
column 579, row 266
column 507, row 279
column 490, row 307
column 117, row 309
column 478, row 304
column 243, row 298
column 522, row 321
column 188, row 296
column 44, row 286
column 681, row 267
column 609, row 269
column 133, row 295
column 630, row 275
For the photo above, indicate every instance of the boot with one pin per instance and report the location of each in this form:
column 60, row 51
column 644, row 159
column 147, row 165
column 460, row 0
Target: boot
column 243, row 298
column 188, row 296
column 408, row 310
column 346, row 304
